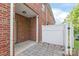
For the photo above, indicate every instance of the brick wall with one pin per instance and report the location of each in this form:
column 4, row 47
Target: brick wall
column 36, row 7
column 22, row 28
column 5, row 25
column 4, row 29
column 32, row 28
column 50, row 18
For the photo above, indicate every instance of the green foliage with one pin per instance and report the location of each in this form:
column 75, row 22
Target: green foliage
column 76, row 44
column 74, row 18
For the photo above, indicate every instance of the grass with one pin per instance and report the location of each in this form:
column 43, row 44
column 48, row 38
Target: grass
column 76, row 44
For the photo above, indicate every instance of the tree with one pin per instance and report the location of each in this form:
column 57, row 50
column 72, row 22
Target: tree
column 74, row 18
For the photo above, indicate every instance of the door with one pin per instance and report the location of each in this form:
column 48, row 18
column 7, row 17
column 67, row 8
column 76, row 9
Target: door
column 22, row 28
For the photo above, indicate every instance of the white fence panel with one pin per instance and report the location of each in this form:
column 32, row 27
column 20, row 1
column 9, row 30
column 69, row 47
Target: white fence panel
column 53, row 34
column 58, row 34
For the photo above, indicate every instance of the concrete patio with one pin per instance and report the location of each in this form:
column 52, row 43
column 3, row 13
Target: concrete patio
column 43, row 49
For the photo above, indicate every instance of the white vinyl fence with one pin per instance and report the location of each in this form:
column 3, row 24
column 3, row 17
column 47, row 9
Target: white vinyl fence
column 58, row 34
column 54, row 34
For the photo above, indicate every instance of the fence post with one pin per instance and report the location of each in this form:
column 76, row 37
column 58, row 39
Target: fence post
column 66, row 39
column 71, row 38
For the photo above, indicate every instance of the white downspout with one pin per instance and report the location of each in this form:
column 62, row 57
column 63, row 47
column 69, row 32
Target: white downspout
column 37, row 28
column 46, row 14
column 11, row 29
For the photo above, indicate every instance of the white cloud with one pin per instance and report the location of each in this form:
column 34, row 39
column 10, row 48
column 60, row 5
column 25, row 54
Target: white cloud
column 59, row 15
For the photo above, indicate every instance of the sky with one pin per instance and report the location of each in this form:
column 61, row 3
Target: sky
column 61, row 10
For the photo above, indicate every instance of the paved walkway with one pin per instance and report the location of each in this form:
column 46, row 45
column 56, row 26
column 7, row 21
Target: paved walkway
column 43, row 49
column 19, row 47
column 75, row 52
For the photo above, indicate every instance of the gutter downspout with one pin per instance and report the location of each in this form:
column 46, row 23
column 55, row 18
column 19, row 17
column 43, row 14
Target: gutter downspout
column 46, row 14
column 11, row 29
column 37, row 28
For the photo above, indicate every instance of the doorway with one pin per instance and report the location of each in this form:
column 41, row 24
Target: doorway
column 26, row 28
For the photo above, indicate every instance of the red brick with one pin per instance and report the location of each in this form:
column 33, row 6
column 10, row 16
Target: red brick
column 4, row 29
